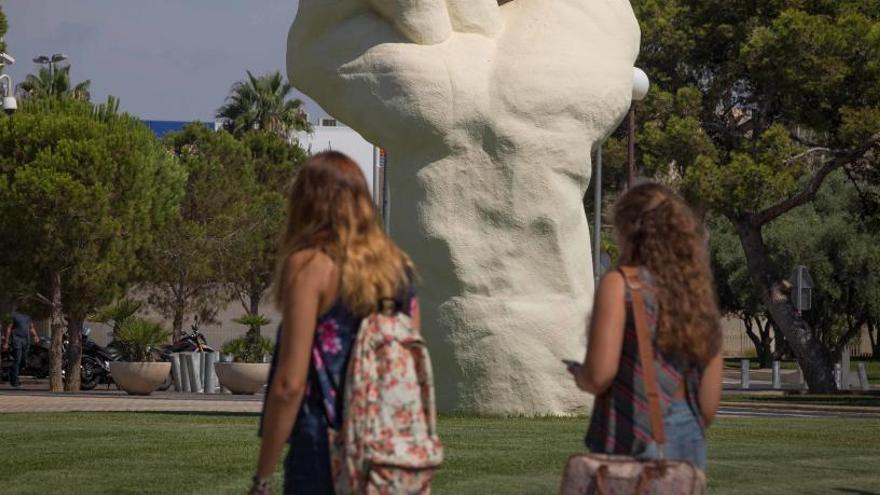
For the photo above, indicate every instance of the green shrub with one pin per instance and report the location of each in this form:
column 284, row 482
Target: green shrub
column 253, row 321
column 246, row 350
column 138, row 338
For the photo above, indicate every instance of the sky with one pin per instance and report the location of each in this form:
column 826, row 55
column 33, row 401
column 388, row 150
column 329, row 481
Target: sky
column 165, row 59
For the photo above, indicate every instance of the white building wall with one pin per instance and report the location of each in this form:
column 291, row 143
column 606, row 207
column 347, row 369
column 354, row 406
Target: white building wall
column 343, row 139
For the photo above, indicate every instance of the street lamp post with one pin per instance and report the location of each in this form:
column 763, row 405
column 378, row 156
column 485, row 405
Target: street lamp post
column 641, row 85
column 52, row 62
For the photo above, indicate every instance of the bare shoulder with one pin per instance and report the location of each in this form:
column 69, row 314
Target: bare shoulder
column 309, row 266
column 612, row 283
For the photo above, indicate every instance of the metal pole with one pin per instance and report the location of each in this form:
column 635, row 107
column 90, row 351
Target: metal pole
column 597, row 228
column 631, row 156
column 386, row 195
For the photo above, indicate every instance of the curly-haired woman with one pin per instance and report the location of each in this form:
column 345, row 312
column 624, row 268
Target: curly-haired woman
column 663, row 249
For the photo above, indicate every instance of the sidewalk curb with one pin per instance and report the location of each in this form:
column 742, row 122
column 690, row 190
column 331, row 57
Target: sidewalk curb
column 802, row 407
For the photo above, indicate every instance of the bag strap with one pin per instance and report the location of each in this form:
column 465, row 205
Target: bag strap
column 646, row 353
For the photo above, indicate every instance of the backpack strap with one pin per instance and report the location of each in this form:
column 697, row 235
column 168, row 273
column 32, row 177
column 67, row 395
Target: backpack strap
column 646, row 353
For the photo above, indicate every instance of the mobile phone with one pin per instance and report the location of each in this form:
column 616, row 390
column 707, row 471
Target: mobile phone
column 571, row 364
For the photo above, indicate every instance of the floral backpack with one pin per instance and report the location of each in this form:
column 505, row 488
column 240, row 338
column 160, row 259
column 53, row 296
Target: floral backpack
column 388, row 443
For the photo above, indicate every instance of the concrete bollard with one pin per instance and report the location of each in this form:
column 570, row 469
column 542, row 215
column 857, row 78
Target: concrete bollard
column 802, row 378
column 777, row 378
column 744, row 374
column 863, row 377
column 837, row 376
column 208, row 372
column 194, row 365
column 175, row 372
column 185, row 365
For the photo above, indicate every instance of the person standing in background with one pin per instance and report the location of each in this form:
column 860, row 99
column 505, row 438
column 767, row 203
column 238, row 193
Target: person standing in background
column 17, row 338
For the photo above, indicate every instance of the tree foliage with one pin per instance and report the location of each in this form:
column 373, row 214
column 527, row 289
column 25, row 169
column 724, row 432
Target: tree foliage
column 54, row 81
column 188, row 268
column 82, row 191
column 263, row 103
column 754, row 104
column 275, row 161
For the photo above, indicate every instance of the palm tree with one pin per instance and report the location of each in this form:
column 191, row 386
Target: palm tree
column 54, row 82
column 263, row 103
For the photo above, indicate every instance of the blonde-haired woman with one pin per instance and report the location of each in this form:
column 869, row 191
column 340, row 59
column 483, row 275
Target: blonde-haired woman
column 335, row 266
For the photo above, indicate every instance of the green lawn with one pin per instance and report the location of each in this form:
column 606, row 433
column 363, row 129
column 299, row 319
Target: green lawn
column 214, row 453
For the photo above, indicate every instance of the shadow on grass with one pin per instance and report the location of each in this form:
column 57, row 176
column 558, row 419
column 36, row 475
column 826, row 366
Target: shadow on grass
column 855, row 491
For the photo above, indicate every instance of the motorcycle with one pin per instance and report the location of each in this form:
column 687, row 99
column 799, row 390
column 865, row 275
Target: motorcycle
column 36, row 362
column 192, row 342
column 94, row 363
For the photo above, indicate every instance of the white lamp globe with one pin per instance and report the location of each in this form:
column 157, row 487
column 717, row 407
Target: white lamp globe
column 641, row 84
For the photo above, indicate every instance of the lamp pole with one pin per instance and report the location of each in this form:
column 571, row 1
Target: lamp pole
column 641, row 85
column 51, row 62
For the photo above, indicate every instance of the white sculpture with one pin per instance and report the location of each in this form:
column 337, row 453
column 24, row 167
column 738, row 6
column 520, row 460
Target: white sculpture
column 488, row 114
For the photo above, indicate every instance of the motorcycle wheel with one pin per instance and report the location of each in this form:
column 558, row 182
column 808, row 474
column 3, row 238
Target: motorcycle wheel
column 166, row 384
column 89, row 373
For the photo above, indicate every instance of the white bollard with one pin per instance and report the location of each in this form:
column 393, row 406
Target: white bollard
column 194, row 363
column 837, row 376
column 185, row 366
column 744, row 374
column 210, row 376
column 863, row 377
column 803, row 379
column 777, row 378
column 175, row 372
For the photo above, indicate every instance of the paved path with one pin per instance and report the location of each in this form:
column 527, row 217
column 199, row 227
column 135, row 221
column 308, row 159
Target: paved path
column 110, row 401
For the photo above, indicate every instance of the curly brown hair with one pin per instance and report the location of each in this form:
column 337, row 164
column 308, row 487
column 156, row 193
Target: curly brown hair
column 657, row 230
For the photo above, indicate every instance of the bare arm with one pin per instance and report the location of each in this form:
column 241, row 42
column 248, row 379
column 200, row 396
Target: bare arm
column 34, row 333
column 606, row 337
column 307, row 280
column 7, row 335
column 710, row 389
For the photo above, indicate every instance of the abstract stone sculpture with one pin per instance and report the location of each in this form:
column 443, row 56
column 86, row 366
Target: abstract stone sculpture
column 488, row 114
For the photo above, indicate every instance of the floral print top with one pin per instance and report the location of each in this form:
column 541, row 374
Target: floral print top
column 335, row 334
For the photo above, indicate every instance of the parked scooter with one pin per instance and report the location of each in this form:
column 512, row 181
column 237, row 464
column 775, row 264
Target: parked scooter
column 192, row 342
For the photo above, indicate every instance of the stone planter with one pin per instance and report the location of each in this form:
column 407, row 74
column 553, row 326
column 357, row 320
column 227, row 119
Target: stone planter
column 139, row 378
column 243, row 378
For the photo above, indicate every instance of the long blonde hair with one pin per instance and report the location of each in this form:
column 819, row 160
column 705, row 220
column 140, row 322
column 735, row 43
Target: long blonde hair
column 330, row 210
column 660, row 232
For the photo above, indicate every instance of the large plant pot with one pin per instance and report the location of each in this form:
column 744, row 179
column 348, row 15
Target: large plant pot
column 243, row 378
column 139, row 378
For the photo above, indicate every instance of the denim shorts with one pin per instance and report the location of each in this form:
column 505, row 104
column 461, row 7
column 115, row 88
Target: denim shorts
column 685, row 439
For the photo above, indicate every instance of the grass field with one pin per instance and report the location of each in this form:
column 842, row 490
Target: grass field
column 74, row 453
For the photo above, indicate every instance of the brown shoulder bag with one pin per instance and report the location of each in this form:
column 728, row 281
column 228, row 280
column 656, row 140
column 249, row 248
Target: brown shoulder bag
column 601, row 474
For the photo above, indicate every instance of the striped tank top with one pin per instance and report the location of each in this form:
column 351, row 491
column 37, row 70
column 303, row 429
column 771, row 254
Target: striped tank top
column 621, row 423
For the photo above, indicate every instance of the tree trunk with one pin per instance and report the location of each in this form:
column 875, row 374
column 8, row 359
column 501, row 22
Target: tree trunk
column 74, row 353
column 811, row 354
column 255, row 296
column 177, row 324
column 56, row 320
column 760, row 339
